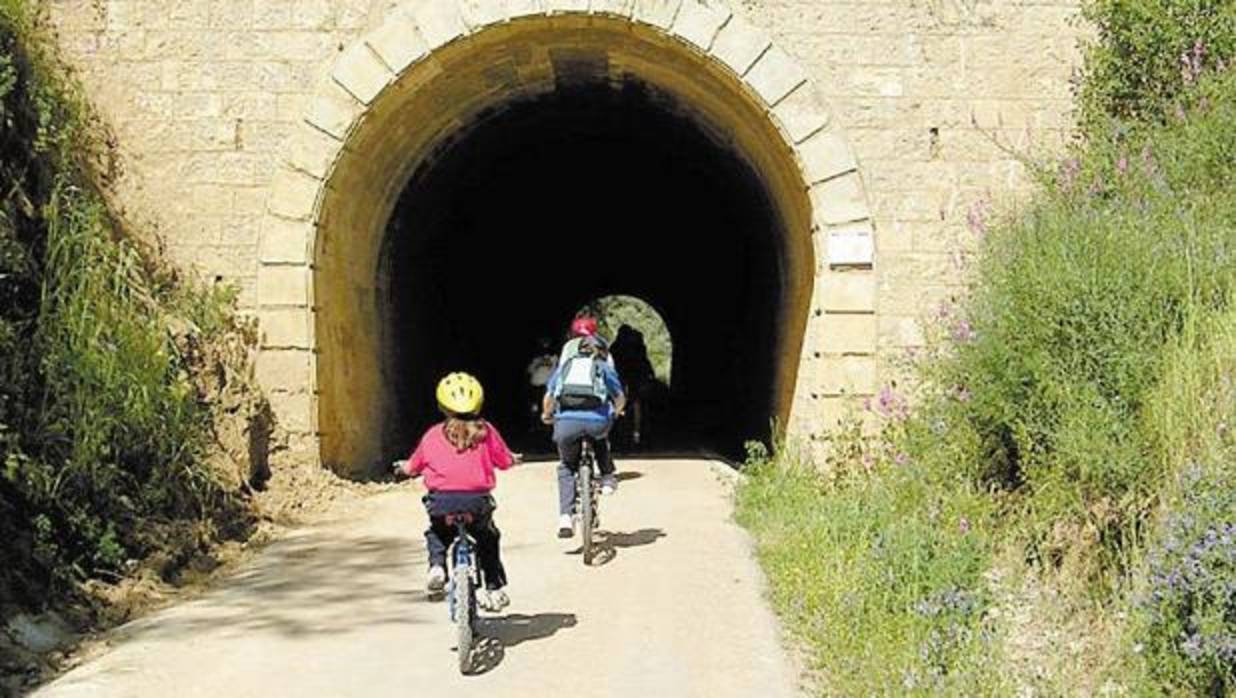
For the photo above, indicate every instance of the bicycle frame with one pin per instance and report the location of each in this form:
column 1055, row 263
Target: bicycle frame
column 461, row 556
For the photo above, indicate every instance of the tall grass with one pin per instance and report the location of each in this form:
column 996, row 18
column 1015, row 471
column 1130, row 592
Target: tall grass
column 102, row 430
column 1073, row 415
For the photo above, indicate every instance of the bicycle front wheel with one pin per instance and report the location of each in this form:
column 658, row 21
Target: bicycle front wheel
column 465, row 610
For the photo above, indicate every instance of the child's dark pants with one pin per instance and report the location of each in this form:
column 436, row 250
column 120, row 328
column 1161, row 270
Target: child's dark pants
column 439, row 536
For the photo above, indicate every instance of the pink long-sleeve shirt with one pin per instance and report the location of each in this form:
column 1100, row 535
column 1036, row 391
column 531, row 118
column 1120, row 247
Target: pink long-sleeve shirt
column 447, row 470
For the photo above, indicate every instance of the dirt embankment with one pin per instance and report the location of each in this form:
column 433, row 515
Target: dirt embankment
column 266, row 486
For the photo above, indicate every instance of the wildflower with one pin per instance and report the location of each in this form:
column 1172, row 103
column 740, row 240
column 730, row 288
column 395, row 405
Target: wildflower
column 1122, row 165
column 962, row 393
column 963, row 332
column 976, row 218
column 891, row 404
column 963, row 525
column 901, row 458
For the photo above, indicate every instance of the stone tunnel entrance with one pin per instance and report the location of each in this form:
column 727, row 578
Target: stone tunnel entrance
column 586, row 191
column 519, row 173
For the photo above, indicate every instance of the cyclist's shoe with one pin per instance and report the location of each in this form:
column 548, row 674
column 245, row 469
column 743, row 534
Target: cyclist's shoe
column 494, row 600
column 436, row 579
column 566, row 526
column 609, row 484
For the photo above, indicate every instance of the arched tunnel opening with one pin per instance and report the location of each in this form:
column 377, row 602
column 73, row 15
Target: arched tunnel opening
column 548, row 203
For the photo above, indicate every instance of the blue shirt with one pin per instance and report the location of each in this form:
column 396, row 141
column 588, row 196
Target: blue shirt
column 601, row 414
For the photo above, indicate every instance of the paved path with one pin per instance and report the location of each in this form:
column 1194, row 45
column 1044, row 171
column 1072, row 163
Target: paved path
column 337, row 609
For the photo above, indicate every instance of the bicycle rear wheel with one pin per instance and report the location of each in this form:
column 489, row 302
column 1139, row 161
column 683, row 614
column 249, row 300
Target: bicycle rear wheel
column 465, row 611
column 587, row 503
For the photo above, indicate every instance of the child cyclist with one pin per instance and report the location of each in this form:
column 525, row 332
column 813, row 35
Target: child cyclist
column 457, row 458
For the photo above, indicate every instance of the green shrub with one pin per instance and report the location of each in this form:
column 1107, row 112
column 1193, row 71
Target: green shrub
column 102, row 430
column 880, row 573
column 1184, row 631
column 1147, row 54
column 1061, row 340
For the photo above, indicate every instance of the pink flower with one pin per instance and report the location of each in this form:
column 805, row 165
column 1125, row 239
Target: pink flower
column 962, row 393
column 1191, row 62
column 963, row 332
column 1122, row 165
column 963, row 525
column 976, row 218
column 892, row 405
column 901, row 458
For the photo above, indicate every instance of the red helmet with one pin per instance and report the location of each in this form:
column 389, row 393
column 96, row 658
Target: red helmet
column 584, row 326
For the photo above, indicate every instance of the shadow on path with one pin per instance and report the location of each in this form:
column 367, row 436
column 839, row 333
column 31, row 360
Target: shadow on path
column 498, row 634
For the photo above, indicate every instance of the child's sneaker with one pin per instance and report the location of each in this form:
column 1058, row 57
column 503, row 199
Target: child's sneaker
column 436, row 579
column 494, row 600
column 609, row 484
column 566, row 526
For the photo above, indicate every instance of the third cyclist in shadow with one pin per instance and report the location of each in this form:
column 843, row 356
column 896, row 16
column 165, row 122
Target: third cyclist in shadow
column 630, row 356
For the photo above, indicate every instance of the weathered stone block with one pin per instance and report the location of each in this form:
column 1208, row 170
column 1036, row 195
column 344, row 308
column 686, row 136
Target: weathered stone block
column 775, row 75
column 360, row 72
column 285, row 328
column 848, row 292
column 294, row 195
column 523, row 8
column 439, row 21
column 294, row 413
column 698, row 24
column 619, row 8
column 849, row 334
column 284, row 371
column 482, row 13
column 311, row 151
column 564, row 6
column 334, row 111
column 848, row 375
column 283, row 285
column 659, row 13
column 839, row 200
column 738, row 45
column 826, row 155
column 801, row 114
column 397, row 42
column 286, row 241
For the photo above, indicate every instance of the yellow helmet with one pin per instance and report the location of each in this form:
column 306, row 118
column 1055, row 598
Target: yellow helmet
column 460, row 393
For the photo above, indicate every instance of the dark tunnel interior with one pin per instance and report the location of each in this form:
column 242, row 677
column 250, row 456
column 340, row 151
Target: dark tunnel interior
column 553, row 202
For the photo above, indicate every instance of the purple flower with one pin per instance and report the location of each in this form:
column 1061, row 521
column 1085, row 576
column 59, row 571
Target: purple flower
column 963, row 332
column 891, row 404
column 976, row 218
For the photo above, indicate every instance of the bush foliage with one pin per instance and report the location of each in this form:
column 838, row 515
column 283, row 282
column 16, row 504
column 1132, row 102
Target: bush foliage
column 1073, row 411
column 102, row 433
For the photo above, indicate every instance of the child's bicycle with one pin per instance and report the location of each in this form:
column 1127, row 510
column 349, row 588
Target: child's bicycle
column 587, row 498
column 464, row 579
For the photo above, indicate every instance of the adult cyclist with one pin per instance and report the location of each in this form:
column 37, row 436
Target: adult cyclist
column 583, row 398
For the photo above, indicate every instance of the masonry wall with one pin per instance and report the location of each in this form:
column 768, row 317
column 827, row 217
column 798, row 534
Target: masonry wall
column 936, row 97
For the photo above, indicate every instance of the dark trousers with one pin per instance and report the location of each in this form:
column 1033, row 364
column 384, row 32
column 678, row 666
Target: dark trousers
column 569, row 435
column 439, row 536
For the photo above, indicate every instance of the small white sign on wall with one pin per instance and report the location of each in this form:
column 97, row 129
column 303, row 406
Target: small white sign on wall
column 851, row 249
